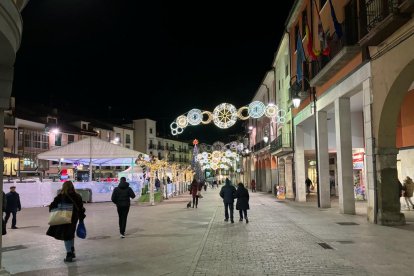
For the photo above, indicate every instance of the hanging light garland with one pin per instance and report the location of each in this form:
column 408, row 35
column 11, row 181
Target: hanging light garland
column 225, row 115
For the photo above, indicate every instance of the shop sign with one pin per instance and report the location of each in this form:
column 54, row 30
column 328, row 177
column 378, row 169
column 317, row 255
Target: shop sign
column 358, row 160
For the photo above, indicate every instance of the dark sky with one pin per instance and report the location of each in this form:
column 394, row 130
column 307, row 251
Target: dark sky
column 153, row 59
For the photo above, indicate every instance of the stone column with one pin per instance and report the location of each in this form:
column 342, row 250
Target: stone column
column 323, row 159
column 369, row 154
column 387, row 187
column 6, row 82
column 344, row 155
column 289, row 178
column 300, row 164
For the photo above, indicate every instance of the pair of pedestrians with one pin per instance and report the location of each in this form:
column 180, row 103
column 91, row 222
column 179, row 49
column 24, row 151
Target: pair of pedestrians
column 228, row 192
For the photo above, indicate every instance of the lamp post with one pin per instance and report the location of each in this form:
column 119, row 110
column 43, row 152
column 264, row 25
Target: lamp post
column 295, row 90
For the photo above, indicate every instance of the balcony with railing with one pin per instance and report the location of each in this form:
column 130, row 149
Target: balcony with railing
column 160, row 147
column 281, row 145
column 381, row 18
column 259, row 146
column 342, row 49
column 151, row 146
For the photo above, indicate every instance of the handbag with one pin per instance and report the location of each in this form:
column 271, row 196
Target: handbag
column 81, row 230
column 61, row 215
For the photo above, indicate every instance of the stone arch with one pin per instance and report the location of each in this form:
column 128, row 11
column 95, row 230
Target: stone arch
column 387, row 124
column 392, row 76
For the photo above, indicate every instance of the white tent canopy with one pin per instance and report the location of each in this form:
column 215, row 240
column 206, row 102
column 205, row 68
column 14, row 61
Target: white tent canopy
column 92, row 151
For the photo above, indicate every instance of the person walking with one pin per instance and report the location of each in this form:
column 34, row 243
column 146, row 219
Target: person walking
column 4, row 231
column 408, row 191
column 253, row 185
column 195, row 187
column 227, row 193
column 12, row 206
column 66, row 232
column 308, row 183
column 121, row 197
column 242, row 204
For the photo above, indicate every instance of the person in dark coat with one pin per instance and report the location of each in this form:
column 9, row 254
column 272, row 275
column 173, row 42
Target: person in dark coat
column 308, row 183
column 66, row 232
column 121, row 197
column 242, row 195
column 195, row 187
column 4, row 231
column 253, row 185
column 12, row 206
column 228, row 193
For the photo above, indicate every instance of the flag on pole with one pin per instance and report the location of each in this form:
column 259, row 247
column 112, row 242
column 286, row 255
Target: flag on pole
column 300, row 57
column 321, row 34
column 338, row 27
column 313, row 54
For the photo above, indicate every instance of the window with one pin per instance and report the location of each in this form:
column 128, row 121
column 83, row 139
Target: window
column 71, row 138
column 166, row 145
column 45, row 141
column 296, row 36
column 84, row 126
column 159, row 156
column 304, row 19
column 118, row 137
column 51, row 120
column 286, row 66
column 127, row 138
column 27, row 141
column 58, row 139
column 150, row 130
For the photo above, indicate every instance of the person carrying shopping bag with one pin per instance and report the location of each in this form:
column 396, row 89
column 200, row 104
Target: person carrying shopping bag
column 66, row 232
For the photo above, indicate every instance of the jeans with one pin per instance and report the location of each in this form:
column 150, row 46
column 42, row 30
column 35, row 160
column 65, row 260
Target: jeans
column 123, row 214
column 195, row 201
column 69, row 245
column 241, row 213
column 407, row 200
column 226, row 211
column 13, row 219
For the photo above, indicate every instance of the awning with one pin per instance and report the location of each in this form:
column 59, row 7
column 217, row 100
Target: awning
column 93, row 151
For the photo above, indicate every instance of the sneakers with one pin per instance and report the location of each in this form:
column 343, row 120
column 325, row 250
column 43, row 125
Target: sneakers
column 241, row 219
column 247, row 220
column 122, row 236
column 15, row 227
column 232, row 221
column 226, row 219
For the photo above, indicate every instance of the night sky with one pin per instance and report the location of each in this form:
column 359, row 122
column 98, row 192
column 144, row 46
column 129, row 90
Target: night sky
column 149, row 59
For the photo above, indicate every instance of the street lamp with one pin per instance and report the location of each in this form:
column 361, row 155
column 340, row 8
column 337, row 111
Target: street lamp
column 265, row 138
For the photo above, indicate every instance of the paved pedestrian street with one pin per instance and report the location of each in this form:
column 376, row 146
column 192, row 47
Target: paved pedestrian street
column 282, row 238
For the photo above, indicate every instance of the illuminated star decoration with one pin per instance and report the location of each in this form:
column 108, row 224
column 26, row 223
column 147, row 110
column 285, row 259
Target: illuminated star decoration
column 225, row 115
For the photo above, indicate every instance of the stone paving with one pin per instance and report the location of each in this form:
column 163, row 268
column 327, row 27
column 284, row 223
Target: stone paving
column 282, row 238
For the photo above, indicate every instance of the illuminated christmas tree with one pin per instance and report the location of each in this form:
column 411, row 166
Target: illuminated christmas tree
column 195, row 165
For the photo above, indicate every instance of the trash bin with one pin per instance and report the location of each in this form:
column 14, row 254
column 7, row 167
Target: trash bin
column 86, row 194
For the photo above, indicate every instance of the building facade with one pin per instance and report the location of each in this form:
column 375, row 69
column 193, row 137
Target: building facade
column 282, row 146
column 146, row 140
column 348, row 129
column 262, row 132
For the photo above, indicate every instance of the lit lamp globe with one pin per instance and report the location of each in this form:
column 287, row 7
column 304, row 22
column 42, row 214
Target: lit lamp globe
column 265, row 139
column 296, row 102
